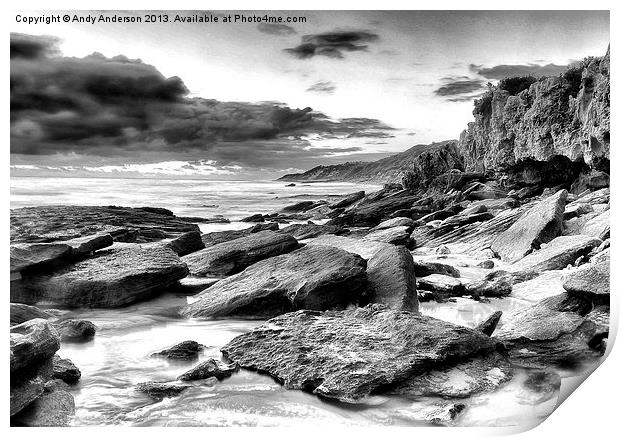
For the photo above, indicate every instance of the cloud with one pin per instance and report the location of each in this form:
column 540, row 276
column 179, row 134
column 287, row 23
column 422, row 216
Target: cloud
column 276, row 29
column 322, row 87
column 119, row 107
column 332, row 44
column 504, row 70
column 459, row 86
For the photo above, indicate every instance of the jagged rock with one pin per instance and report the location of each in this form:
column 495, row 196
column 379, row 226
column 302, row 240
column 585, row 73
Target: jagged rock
column 347, row 355
column 32, row 342
column 54, row 408
column 462, row 380
column 446, row 285
column 213, row 238
column 556, row 255
column 349, row 199
column 395, row 222
column 186, row 243
column 233, row 256
column 112, row 278
column 597, row 197
column 75, row 330
column 495, row 284
column 391, row 276
column 539, row 225
column 88, row 244
column 426, row 268
column 208, row 369
column 591, row 281
column 21, row 313
column 488, row 326
column 576, row 209
column 463, row 219
column 161, row 390
column 313, row 277
column 24, row 392
column 310, row 230
column 65, row 370
column 186, row 350
column 45, row 224
column 552, row 331
column 398, row 235
column 370, row 211
column 302, row 206
column 598, row 226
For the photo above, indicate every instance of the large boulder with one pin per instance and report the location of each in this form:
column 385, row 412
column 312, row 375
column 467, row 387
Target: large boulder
column 32, row 342
column 53, row 408
column 313, row 277
column 556, row 255
column 113, row 278
column 552, row 331
column 391, row 277
column 591, row 281
column 347, row 355
column 539, row 225
column 233, row 256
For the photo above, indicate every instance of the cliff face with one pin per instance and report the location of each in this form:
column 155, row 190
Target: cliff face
column 565, row 116
column 385, row 170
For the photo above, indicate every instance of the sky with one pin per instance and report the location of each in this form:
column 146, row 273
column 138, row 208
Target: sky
column 258, row 100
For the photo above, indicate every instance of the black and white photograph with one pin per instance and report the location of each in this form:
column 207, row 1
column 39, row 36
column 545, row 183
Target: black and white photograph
column 300, row 218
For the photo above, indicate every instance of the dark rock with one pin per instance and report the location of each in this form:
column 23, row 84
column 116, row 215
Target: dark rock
column 556, row 255
column 576, row 209
column 161, row 390
column 302, row 206
column 75, row 330
column 45, row 224
column 426, row 268
column 290, row 185
column 191, row 285
column 370, row 212
column 21, row 313
column 112, row 278
column 208, row 369
column 488, row 326
column 539, row 225
column 186, row 243
column 349, row 199
column 24, row 392
column 233, row 256
column 88, row 244
column 552, row 331
column 186, row 350
column 495, row 284
column 310, row 230
column 254, row 218
column 591, row 281
column 33, row 258
column 391, row 277
column 313, row 277
column 347, row 355
column 445, row 285
column 486, row 264
column 54, row 408
column 65, row 370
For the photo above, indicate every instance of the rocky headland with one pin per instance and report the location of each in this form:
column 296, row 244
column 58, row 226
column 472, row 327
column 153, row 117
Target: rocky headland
column 522, row 196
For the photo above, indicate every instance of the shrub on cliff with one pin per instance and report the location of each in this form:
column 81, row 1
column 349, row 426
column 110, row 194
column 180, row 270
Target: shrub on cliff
column 514, row 85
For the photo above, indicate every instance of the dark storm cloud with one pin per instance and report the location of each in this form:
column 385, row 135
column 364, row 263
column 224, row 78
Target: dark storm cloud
column 322, row 87
column 98, row 106
column 502, row 71
column 332, row 44
column 460, row 86
column 32, row 47
column 276, row 29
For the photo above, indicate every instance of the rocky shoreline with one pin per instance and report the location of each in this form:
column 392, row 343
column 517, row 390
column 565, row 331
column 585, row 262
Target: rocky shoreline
column 339, row 283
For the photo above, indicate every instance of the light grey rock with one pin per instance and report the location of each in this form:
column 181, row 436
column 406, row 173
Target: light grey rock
column 445, row 285
column 398, row 235
column 591, row 280
column 391, row 277
column 395, row 222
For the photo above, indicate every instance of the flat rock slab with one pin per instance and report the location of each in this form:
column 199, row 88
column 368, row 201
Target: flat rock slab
column 598, row 226
column 348, row 355
column 426, row 268
column 39, row 256
column 398, row 235
column 112, row 278
column 591, row 280
column 397, row 221
column 557, row 254
column 443, row 284
column 161, row 390
column 313, row 277
column 32, row 342
column 364, row 248
column 233, row 256
column 54, row 408
column 304, row 231
column 540, row 224
column 552, row 331
column 391, row 276
column 44, row 224
column 186, row 243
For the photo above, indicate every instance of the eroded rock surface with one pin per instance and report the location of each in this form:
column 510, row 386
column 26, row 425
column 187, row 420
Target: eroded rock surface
column 391, row 277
